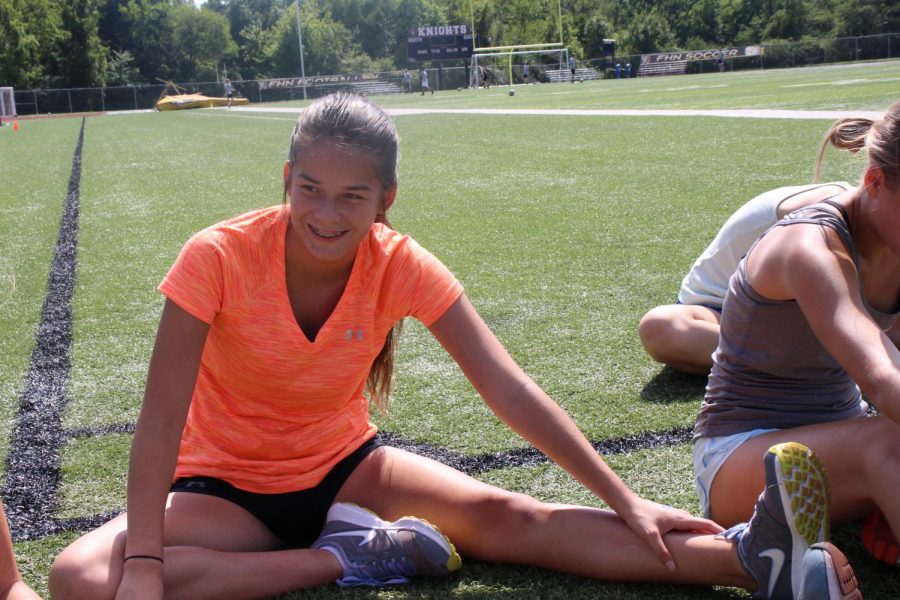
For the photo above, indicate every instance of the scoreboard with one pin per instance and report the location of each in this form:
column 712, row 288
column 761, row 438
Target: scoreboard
column 439, row 43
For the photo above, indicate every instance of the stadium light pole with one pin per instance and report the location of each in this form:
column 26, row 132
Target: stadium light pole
column 300, row 43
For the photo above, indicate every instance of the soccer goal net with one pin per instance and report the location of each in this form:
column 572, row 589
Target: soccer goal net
column 508, row 67
column 7, row 103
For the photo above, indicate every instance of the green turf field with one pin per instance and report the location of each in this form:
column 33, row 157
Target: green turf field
column 563, row 229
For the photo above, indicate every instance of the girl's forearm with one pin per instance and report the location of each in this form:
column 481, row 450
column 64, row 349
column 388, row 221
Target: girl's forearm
column 153, row 456
column 170, row 386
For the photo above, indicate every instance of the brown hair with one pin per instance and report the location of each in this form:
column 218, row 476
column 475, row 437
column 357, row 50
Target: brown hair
column 354, row 122
column 880, row 138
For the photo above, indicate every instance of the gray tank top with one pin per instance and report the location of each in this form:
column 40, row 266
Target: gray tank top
column 770, row 370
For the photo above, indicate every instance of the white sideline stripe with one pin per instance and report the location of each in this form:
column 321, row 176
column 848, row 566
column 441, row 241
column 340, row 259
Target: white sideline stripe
column 731, row 113
column 204, row 112
column 842, row 82
column 131, row 112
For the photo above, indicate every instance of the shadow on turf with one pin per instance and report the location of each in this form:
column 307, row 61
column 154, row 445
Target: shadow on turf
column 478, row 580
column 669, row 386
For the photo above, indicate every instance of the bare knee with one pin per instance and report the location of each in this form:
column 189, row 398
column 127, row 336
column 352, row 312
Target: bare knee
column 681, row 336
column 881, row 457
column 83, row 570
column 71, row 577
column 504, row 519
column 657, row 332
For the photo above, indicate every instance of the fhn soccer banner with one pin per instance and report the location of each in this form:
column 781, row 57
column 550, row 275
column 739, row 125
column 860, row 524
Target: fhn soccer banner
column 439, row 42
column 665, row 57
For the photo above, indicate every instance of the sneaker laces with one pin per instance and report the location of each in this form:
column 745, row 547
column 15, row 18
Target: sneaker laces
column 734, row 533
column 393, row 570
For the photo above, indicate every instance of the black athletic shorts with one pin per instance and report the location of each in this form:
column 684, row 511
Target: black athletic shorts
column 296, row 518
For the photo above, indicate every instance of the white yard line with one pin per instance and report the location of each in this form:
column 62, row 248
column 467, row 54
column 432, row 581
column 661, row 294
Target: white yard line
column 842, row 82
column 732, row 113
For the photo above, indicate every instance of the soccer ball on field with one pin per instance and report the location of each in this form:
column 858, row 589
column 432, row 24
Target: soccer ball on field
column 878, row 539
column 512, row 92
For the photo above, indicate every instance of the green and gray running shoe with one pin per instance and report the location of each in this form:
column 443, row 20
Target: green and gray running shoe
column 790, row 516
column 374, row 552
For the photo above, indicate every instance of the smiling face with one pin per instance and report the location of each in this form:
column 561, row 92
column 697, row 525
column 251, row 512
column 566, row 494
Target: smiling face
column 335, row 196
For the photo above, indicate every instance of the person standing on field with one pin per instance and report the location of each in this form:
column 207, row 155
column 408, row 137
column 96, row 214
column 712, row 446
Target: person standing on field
column 407, row 81
column 229, row 91
column 423, row 81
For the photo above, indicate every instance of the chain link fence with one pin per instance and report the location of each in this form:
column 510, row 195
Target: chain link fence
column 142, row 97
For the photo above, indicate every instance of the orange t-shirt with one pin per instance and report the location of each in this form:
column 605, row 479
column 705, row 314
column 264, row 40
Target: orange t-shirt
column 273, row 412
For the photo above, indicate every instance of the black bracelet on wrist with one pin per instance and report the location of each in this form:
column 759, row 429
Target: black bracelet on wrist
column 147, row 556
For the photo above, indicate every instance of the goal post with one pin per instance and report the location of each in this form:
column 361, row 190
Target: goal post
column 509, row 64
column 7, row 103
column 500, row 58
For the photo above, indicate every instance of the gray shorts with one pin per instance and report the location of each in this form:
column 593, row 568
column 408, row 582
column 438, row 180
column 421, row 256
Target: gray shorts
column 710, row 453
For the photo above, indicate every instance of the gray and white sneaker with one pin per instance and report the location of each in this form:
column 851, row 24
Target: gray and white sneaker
column 790, row 516
column 827, row 575
column 377, row 553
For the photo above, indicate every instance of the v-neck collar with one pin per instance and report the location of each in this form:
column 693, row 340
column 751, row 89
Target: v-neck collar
column 281, row 276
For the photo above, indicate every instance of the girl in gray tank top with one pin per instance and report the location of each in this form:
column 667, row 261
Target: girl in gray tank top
column 770, row 370
column 810, row 326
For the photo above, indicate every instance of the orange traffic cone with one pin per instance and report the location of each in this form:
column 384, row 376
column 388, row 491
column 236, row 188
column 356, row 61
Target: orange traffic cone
column 15, row 125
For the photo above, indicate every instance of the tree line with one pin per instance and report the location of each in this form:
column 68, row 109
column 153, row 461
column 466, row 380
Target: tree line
column 88, row 43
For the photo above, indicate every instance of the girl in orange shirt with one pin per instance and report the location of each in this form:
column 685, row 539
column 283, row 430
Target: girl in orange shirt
column 275, row 324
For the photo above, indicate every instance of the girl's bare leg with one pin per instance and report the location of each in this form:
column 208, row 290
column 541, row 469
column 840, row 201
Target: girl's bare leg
column 862, row 457
column 491, row 524
column 682, row 336
column 214, row 549
column 11, row 585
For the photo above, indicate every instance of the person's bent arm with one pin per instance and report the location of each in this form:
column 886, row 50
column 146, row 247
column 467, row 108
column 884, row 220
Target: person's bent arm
column 154, row 451
column 530, row 412
column 810, row 265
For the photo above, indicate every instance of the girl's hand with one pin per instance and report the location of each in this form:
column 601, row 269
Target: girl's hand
column 141, row 580
column 651, row 521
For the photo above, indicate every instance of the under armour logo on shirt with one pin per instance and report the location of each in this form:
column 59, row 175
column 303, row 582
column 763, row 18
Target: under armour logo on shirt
column 350, row 334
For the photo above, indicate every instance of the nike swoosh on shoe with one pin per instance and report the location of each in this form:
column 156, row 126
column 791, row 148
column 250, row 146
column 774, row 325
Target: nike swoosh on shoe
column 777, row 558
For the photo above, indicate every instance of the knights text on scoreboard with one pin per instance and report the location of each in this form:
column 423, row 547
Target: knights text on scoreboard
column 439, row 42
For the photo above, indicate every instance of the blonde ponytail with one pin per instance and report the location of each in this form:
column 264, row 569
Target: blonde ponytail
column 880, row 138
